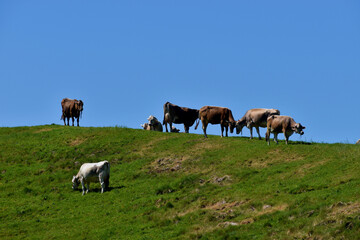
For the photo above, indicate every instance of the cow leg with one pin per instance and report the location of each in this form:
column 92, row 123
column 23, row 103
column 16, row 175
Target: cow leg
column 72, row 121
column 88, row 187
column 68, row 119
column 286, row 137
column 226, row 130
column 258, row 132
column 77, row 121
column 102, row 183
column 267, row 136
column 166, row 127
column 251, row 132
column 186, row 128
column 204, row 128
column 83, row 186
column 222, row 130
column 275, row 138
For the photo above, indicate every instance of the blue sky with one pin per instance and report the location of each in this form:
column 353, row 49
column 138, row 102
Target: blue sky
column 125, row 59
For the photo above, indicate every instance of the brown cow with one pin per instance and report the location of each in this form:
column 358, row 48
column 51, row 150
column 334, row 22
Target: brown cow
column 216, row 115
column 256, row 117
column 282, row 124
column 176, row 114
column 71, row 108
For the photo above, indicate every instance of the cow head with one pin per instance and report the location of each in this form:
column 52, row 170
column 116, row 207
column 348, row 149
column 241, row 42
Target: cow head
column 79, row 106
column 232, row 125
column 239, row 125
column 298, row 128
column 152, row 120
column 75, row 182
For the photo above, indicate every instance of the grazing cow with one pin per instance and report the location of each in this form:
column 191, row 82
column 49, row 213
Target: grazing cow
column 256, row 117
column 176, row 114
column 154, row 124
column 71, row 108
column 282, row 124
column 92, row 172
column 358, row 142
column 216, row 115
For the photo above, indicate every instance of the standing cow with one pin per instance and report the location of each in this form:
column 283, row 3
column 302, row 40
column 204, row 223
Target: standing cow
column 176, row 114
column 216, row 115
column 256, row 117
column 71, row 108
column 92, row 172
column 282, row 124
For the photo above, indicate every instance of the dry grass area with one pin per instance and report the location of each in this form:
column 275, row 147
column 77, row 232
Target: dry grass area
column 344, row 209
column 273, row 157
column 76, row 142
column 43, row 130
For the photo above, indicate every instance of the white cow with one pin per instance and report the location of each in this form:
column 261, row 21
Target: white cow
column 154, row 124
column 92, row 172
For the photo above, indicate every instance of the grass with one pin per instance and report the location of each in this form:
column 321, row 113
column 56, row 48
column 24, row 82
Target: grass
column 175, row 186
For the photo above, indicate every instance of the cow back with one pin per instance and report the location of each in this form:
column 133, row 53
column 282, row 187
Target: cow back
column 176, row 114
column 216, row 115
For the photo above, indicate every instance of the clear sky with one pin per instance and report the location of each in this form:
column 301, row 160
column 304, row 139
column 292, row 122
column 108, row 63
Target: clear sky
column 125, row 59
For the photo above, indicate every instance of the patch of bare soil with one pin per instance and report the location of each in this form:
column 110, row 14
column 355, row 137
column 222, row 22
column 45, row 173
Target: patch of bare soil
column 167, row 164
column 224, row 206
column 224, row 180
column 344, row 209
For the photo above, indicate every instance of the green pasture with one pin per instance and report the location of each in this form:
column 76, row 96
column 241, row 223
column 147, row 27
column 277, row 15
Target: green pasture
column 175, row 186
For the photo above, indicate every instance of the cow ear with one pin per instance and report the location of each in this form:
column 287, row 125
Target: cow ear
column 303, row 127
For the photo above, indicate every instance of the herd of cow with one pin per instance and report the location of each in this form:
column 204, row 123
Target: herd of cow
column 258, row 117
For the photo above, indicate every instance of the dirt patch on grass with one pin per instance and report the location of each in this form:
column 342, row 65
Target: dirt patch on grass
column 345, row 209
column 76, row 142
column 43, row 130
column 167, row 164
column 206, row 144
column 224, row 206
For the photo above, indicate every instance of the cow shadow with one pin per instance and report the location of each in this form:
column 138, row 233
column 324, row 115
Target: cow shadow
column 109, row 189
column 299, row 143
column 98, row 189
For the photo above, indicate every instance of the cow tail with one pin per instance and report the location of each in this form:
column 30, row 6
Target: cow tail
column 197, row 121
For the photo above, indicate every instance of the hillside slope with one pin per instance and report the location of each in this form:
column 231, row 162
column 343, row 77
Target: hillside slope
column 175, row 186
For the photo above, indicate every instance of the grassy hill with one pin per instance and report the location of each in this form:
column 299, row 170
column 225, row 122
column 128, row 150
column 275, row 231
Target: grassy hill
column 175, row 186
